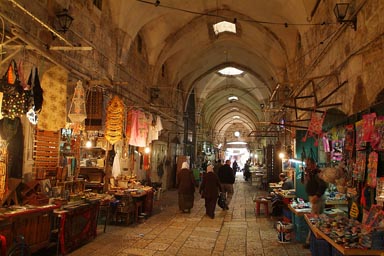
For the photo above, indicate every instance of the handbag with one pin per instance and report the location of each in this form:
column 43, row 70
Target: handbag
column 221, row 201
column 16, row 101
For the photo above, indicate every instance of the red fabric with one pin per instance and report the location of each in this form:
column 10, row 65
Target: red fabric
column 315, row 127
column 368, row 126
column 3, row 245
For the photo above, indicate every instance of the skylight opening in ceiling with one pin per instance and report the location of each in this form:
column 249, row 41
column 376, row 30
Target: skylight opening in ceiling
column 224, row 26
column 230, row 71
column 233, row 98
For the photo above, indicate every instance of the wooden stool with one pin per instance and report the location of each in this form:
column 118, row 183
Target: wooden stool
column 259, row 202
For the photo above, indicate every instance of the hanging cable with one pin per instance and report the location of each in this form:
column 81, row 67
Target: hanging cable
column 285, row 24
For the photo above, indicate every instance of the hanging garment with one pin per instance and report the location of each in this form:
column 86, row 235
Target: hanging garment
column 16, row 100
column 116, row 170
column 142, row 122
column 134, row 128
column 37, row 92
column 159, row 125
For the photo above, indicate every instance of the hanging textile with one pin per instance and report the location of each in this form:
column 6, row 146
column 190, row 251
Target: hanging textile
column 139, row 129
column 114, row 120
column 372, row 169
column 77, row 112
column 152, row 133
column 368, row 126
column 116, row 170
column 34, row 84
column 315, row 127
column 159, row 125
column 54, row 84
column 128, row 126
column 360, row 143
column 142, row 125
column 377, row 137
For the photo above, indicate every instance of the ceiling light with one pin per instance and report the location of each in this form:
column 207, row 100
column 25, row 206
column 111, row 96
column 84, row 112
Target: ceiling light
column 237, row 143
column 340, row 12
column 224, row 26
column 230, row 71
column 236, row 117
column 233, row 98
column 65, row 20
column 237, row 134
column 234, row 109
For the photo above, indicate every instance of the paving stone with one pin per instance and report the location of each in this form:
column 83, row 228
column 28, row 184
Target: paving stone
column 234, row 232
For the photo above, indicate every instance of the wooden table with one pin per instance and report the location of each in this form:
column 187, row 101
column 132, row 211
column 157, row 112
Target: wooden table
column 299, row 212
column 78, row 225
column 345, row 251
column 33, row 224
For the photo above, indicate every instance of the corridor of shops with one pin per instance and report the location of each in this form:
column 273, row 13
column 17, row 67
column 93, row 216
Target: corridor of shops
column 168, row 232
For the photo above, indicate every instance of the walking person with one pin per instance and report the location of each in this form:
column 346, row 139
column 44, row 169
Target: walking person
column 186, row 184
column 209, row 190
column 217, row 167
column 227, row 179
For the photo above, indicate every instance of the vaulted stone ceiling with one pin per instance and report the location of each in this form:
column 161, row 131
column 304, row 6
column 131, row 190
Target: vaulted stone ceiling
column 179, row 35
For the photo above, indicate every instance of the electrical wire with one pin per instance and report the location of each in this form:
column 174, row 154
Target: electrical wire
column 285, row 24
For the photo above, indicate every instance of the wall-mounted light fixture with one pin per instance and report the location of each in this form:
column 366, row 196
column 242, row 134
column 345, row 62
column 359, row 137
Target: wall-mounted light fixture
column 65, row 20
column 340, row 12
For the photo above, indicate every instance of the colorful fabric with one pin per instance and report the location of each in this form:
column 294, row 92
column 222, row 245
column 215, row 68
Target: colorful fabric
column 54, row 84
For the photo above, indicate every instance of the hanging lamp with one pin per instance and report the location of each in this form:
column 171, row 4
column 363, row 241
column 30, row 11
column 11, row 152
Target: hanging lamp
column 77, row 111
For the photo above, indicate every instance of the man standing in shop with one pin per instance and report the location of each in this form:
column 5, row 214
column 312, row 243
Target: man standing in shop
column 227, row 178
column 315, row 188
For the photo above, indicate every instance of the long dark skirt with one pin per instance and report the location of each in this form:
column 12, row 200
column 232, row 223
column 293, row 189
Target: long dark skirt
column 186, row 201
column 210, row 206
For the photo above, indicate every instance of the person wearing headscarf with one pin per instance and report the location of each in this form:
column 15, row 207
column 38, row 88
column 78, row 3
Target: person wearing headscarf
column 209, row 190
column 186, row 188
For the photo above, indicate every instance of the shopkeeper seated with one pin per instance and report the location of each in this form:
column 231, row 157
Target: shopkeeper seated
column 277, row 201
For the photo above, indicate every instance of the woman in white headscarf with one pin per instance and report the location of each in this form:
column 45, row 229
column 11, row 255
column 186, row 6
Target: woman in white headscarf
column 209, row 190
column 186, row 187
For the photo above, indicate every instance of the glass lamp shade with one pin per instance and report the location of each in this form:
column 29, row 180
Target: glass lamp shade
column 340, row 11
column 77, row 112
column 65, row 20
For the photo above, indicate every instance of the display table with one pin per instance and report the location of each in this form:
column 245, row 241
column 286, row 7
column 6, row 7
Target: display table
column 345, row 251
column 132, row 202
column 78, row 225
column 34, row 224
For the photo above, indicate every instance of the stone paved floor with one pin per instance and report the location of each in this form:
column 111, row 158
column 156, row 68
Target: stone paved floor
column 167, row 232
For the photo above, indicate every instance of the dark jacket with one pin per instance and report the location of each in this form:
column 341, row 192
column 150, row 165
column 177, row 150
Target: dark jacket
column 226, row 174
column 314, row 185
column 287, row 184
column 185, row 181
column 210, row 185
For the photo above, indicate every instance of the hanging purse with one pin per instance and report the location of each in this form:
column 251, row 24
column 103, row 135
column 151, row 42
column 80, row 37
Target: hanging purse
column 15, row 100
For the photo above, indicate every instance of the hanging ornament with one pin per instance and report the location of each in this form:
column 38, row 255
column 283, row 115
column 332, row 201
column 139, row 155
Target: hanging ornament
column 115, row 120
column 32, row 116
column 77, row 111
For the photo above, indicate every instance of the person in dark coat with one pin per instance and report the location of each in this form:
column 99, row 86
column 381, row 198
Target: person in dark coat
column 315, row 188
column 209, row 190
column 227, row 178
column 186, row 188
column 217, row 167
